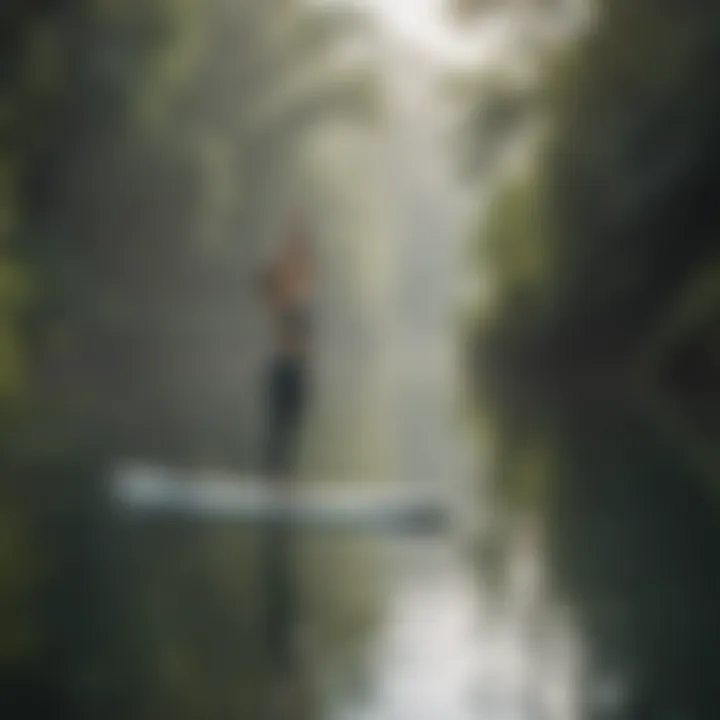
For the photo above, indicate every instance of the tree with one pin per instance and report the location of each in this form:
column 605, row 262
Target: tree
column 597, row 344
column 146, row 148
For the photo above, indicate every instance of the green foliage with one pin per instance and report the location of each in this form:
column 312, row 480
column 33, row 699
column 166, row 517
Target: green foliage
column 595, row 357
column 19, row 583
column 617, row 213
column 145, row 150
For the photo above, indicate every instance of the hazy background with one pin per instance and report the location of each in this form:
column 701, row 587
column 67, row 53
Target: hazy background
column 514, row 205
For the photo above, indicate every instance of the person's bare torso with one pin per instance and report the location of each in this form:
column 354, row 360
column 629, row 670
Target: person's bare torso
column 289, row 291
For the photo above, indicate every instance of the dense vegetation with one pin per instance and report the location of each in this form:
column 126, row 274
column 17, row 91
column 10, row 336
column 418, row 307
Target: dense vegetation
column 596, row 352
column 146, row 150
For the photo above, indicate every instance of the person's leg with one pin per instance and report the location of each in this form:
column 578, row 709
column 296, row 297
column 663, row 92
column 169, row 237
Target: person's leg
column 274, row 422
column 294, row 415
column 283, row 421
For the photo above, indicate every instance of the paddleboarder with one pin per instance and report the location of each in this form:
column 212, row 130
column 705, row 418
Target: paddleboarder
column 287, row 286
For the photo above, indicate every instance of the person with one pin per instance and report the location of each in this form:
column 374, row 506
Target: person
column 287, row 286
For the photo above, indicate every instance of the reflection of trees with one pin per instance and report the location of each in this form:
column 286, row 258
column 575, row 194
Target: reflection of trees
column 601, row 332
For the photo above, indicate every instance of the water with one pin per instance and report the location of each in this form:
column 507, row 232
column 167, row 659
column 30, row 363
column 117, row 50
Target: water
column 442, row 648
column 422, row 660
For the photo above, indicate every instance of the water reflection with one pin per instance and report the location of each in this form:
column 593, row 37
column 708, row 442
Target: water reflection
column 281, row 603
column 630, row 540
column 359, row 628
column 634, row 540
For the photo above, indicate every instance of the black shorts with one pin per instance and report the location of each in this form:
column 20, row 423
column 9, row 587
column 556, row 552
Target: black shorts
column 287, row 399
